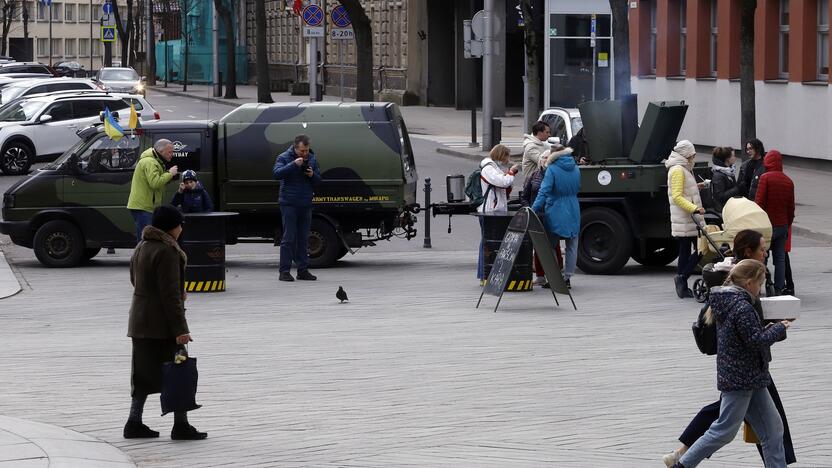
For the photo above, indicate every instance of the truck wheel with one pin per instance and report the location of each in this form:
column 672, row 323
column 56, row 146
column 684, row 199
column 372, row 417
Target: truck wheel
column 59, row 244
column 658, row 253
column 16, row 158
column 605, row 242
column 91, row 252
column 324, row 244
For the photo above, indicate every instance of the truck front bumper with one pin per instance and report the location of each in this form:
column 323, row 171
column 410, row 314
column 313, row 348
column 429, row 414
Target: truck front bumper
column 18, row 231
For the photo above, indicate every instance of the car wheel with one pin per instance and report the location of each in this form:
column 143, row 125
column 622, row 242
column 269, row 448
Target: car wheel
column 16, row 158
column 659, row 252
column 605, row 242
column 324, row 244
column 59, row 244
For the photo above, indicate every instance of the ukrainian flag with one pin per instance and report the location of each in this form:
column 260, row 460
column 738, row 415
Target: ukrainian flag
column 134, row 117
column 111, row 126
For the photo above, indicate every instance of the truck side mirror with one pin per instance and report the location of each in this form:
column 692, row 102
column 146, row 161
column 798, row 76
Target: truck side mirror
column 73, row 164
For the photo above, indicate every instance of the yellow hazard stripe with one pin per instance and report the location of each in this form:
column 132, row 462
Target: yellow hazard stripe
column 511, row 285
column 205, row 286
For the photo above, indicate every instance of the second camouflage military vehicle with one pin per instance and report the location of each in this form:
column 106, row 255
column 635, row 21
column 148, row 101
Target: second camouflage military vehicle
column 70, row 209
column 625, row 212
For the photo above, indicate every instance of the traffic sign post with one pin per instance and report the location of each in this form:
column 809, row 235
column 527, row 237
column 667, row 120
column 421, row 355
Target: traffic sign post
column 108, row 33
column 341, row 32
column 313, row 19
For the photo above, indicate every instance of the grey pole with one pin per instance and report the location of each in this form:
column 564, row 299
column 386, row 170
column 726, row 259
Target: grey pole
column 149, row 42
column 487, row 76
column 50, row 34
column 215, row 52
column 92, row 67
column 341, row 59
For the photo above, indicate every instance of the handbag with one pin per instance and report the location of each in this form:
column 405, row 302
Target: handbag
column 748, row 434
column 179, row 378
column 704, row 334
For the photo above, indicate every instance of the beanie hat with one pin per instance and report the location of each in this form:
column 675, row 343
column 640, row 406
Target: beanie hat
column 685, row 148
column 189, row 175
column 166, row 217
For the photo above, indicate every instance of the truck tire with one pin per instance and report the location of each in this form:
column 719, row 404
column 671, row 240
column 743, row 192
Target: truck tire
column 59, row 244
column 605, row 242
column 16, row 158
column 91, row 252
column 659, row 252
column 324, row 245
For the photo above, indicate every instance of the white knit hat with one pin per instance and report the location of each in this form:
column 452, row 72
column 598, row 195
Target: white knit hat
column 685, row 148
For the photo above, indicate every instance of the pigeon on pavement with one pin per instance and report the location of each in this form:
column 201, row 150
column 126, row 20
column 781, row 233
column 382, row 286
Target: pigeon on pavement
column 341, row 294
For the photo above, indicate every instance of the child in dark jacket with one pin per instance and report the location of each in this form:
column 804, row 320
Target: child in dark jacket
column 192, row 196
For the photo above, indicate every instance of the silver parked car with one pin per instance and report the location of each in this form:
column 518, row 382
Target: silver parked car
column 120, row 80
column 38, row 86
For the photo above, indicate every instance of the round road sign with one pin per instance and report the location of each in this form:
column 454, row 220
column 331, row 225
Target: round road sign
column 313, row 15
column 107, row 8
column 339, row 16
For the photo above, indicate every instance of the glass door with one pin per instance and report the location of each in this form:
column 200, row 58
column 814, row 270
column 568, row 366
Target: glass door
column 580, row 59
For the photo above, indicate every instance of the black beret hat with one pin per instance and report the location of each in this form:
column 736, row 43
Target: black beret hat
column 166, row 217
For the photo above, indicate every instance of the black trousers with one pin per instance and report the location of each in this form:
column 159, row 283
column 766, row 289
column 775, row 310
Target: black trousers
column 148, row 356
column 710, row 413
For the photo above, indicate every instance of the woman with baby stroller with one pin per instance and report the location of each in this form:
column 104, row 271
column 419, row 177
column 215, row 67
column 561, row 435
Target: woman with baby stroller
column 747, row 244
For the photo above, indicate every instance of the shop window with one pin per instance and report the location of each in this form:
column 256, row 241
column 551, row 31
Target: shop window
column 823, row 40
column 653, row 36
column 783, row 70
column 714, row 37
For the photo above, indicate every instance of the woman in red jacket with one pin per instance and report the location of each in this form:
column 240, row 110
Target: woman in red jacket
column 775, row 195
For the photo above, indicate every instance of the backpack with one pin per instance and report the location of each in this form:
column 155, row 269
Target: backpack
column 473, row 189
column 704, row 334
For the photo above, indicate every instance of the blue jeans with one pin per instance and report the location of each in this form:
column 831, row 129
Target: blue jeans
column 688, row 256
column 570, row 260
column 779, row 235
column 141, row 218
column 295, row 240
column 755, row 406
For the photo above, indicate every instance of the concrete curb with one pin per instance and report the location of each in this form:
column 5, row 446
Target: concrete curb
column 9, row 286
column 29, row 443
column 225, row 102
column 808, row 233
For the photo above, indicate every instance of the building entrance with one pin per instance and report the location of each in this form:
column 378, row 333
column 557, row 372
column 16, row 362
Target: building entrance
column 580, row 59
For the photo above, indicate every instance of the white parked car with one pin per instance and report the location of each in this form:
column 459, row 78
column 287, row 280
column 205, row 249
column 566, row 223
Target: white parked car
column 563, row 124
column 22, row 88
column 45, row 125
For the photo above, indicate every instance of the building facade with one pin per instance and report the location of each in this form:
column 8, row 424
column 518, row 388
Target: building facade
column 690, row 50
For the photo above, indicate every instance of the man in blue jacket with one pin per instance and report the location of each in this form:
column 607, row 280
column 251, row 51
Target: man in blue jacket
column 298, row 173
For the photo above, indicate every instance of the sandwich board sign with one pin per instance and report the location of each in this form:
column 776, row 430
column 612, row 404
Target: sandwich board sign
column 524, row 223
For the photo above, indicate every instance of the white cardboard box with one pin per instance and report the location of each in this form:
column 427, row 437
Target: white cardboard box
column 780, row 307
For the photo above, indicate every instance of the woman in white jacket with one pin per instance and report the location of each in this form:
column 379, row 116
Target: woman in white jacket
column 496, row 186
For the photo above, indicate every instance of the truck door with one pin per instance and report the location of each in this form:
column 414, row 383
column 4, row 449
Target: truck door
column 188, row 154
column 96, row 191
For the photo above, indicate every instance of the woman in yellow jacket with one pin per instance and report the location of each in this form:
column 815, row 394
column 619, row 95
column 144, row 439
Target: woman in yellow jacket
column 683, row 194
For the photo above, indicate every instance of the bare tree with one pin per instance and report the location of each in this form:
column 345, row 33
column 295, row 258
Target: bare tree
column 748, row 106
column 186, row 7
column 263, row 81
column 363, row 50
column 532, row 65
column 125, row 31
column 225, row 12
column 7, row 12
column 150, row 55
column 621, row 46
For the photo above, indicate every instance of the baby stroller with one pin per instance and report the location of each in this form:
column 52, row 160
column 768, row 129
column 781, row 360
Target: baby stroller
column 716, row 242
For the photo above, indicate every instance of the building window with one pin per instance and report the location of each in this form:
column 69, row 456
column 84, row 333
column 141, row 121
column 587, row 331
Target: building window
column 714, row 37
column 823, row 40
column 783, row 70
column 96, row 14
column 83, row 13
column 83, row 47
column 56, row 48
column 96, row 48
column 683, row 36
column 653, row 35
column 43, row 14
column 56, row 12
column 43, row 47
column 69, row 13
column 69, row 48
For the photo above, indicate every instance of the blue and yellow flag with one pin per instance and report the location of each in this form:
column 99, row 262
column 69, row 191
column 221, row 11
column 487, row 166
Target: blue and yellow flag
column 134, row 117
column 111, row 127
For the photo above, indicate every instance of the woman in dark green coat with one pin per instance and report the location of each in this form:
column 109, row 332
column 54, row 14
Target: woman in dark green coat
column 157, row 324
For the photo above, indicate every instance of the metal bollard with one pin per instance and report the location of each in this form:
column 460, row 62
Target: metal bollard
column 427, row 189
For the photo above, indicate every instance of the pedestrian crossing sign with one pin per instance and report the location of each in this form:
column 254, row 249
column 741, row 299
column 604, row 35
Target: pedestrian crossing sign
column 108, row 33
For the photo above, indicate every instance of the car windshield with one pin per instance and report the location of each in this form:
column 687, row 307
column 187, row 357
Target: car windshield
column 12, row 92
column 577, row 124
column 119, row 75
column 20, row 111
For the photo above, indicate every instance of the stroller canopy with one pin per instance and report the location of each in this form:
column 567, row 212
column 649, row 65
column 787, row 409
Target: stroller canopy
column 741, row 213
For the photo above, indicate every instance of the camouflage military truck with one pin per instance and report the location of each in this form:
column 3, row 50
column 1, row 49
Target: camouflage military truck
column 625, row 212
column 70, row 209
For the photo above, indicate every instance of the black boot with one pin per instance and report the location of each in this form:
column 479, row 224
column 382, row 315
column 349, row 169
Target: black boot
column 137, row 430
column 182, row 429
column 681, row 286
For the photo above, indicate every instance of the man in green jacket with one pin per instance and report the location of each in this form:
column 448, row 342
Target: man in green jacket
column 148, row 187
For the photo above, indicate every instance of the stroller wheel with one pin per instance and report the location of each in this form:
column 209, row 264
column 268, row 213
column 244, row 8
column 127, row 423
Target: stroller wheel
column 700, row 290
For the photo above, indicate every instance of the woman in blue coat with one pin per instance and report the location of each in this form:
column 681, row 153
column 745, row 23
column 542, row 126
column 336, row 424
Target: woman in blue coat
column 557, row 200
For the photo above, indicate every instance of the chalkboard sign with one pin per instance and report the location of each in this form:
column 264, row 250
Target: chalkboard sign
column 501, row 270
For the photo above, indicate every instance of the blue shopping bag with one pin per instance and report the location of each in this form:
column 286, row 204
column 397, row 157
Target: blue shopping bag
column 179, row 378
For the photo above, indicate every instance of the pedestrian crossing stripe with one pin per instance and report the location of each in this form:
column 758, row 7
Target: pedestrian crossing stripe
column 108, row 33
column 205, row 286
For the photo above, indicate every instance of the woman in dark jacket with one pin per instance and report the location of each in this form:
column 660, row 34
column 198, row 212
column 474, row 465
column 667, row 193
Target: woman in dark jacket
column 157, row 324
column 743, row 355
column 724, row 178
column 747, row 244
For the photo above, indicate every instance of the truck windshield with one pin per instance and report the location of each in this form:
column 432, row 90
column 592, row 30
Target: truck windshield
column 76, row 148
column 20, row 111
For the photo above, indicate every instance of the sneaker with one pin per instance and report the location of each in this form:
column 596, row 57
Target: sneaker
column 546, row 285
column 187, row 433
column 306, row 276
column 568, row 283
column 137, row 430
column 285, row 276
column 540, row 280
